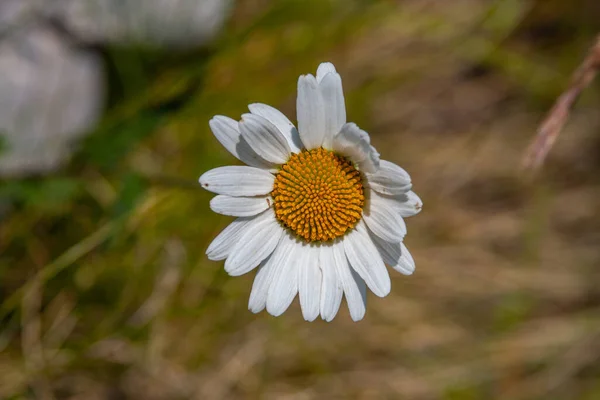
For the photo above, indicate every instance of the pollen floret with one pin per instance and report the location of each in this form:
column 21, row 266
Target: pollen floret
column 318, row 195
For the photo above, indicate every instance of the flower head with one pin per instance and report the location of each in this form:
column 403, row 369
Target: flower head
column 318, row 212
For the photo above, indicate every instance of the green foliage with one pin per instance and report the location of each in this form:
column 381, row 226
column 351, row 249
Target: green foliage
column 46, row 195
column 512, row 311
column 463, row 393
column 122, row 231
column 132, row 188
column 108, row 147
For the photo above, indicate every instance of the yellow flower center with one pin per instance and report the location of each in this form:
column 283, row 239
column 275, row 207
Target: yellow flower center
column 318, row 195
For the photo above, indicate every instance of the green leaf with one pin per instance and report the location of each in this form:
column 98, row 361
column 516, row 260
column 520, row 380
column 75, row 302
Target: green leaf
column 133, row 188
column 47, row 194
column 109, row 146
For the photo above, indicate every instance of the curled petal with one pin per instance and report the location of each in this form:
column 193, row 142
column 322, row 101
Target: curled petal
column 354, row 143
column 285, row 126
column 396, row 255
column 227, row 132
column 389, row 179
column 264, row 138
column 383, row 219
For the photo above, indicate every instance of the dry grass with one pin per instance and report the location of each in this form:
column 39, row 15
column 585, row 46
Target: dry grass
column 505, row 301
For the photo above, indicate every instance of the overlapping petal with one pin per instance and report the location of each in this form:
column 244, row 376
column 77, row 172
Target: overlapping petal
column 260, row 287
column 335, row 108
column 256, row 243
column 395, row 255
column 383, row 219
column 409, row 205
column 354, row 143
column 310, row 109
column 389, row 179
column 285, row 126
column 284, row 284
column 353, row 285
column 264, row 138
column 366, row 260
column 227, row 132
column 324, row 69
column 221, row 246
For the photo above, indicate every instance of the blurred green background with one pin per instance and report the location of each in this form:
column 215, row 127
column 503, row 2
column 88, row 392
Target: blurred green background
column 107, row 294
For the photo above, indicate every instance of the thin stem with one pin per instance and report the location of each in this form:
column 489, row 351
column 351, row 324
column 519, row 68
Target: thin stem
column 554, row 122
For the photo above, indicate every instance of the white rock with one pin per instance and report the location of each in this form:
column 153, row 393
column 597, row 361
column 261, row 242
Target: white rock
column 50, row 94
column 181, row 23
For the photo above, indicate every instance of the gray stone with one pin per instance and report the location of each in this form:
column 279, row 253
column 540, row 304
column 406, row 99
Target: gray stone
column 180, row 23
column 50, row 94
column 51, row 91
column 13, row 12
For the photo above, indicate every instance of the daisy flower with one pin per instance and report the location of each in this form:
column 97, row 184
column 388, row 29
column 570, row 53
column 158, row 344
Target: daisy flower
column 317, row 211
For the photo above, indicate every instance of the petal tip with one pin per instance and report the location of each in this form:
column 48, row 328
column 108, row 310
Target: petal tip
column 202, row 181
column 310, row 318
column 357, row 318
column 274, row 311
column 324, row 69
column 255, row 309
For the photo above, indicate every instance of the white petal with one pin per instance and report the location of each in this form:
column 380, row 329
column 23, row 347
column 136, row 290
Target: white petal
column 406, row 263
column 331, row 288
column 395, row 255
column 389, row 179
column 260, row 286
column 324, row 69
column 257, row 243
column 366, row 261
column 310, row 112
column 335, row 107
column 284, row 286
column 264, row 138
column 236, row 180
column 240, row 206
column 405, row 205
column 309, row 282
column 277, row 118
column 362, row 289
column 227, row 132
column 383, row 220
column 390, row 252
column 354, row 287
column 221, row 246
column 355, row 143
column 266, row 274
column 411, row 206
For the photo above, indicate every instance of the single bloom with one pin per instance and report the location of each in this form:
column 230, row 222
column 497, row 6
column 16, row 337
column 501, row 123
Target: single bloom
column 317, row 211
